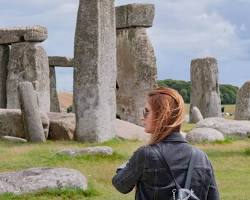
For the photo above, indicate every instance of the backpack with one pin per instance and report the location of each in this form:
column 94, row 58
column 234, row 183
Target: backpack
column 181, row 193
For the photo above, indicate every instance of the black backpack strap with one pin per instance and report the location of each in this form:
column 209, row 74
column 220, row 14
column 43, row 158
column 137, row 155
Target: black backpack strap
column 190, row 169
column 164, row 162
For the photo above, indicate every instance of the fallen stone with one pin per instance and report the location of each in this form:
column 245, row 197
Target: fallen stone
column 226, row 126
column 60, row 61
column 130, row 131
column 204, row 134
column 134, row 15
column 36, row 179
column 99, row 150
column 242, row 108
column 21, row 34
column 11, row 123
column 62, row 126
column 30, row 112
column 14, row 139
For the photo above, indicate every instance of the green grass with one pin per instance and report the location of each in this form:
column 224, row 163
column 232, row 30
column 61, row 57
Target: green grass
column 231, row 161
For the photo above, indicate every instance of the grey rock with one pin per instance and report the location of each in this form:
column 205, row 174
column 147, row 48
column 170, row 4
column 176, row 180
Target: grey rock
column 30, row 112
column 205, row 93
column 13, row 139
column 54, row 101
column 99, row 150
column 28, row 62
column 134, row 15
column 226, row 126
column 95, row 70
column 11, row 123
column 130, row 131
column 4, row 59
column 196, row 115
column 136, row 73
column 37, row 179
column 21, row 34
column 61, row 61
column 62, row 126
column 204, row 134
column 242, row 108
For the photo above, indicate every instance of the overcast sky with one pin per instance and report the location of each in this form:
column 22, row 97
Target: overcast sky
column 182, row 30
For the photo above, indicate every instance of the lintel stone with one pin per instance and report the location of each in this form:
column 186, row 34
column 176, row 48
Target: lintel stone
column 60, row 61
column 21, row 34
column 135, row 15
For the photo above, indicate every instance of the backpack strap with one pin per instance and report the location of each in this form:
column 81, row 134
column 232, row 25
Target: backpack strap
column 164, row 162
column 190, row 167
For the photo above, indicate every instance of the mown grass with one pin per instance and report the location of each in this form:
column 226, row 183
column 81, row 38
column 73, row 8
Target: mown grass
column 231, row 161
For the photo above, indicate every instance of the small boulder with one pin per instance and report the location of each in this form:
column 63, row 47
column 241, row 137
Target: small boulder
column 196, row 115
column 14, row 139
column 99, row 150
column 204, row 134
column 36, row 179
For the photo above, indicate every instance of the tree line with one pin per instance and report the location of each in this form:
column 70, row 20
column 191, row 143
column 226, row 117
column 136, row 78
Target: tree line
column 227, row 92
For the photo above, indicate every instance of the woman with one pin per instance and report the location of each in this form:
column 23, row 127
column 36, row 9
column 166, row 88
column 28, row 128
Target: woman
column 162, row 117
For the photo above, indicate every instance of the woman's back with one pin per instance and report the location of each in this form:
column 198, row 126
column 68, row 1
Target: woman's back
column 155, row 181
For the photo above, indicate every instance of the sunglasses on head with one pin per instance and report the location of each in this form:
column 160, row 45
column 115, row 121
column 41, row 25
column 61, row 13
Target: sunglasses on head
column 145, row 112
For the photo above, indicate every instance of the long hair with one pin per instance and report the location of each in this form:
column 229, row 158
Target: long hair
column 168, row 111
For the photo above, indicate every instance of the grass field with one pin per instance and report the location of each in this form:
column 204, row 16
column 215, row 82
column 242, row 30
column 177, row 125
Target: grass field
column 231, row 161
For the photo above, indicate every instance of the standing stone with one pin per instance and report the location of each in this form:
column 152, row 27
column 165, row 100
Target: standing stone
column 136, row 72
column 30, row 111
column 54, row 101
column 242, row 108
column 95, row 70
column 205, row 93
column 4, row 58
column 196, row 114
column 28, row 62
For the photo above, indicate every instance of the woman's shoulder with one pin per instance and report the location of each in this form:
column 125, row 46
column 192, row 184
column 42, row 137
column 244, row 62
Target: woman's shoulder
column 201, row 158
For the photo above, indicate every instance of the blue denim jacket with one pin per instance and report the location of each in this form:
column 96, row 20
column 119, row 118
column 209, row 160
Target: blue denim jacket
column 153, row 181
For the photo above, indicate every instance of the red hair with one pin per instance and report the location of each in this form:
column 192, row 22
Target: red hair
column 168, row 112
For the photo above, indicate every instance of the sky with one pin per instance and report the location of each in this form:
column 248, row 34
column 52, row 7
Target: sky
column 183, row 30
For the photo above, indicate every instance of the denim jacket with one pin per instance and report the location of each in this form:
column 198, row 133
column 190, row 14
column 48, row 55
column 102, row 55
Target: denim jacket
column 153, row 181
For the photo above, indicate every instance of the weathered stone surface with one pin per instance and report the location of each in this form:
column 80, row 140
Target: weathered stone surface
column 4, row 59
column 28, row 62
column 36, row 179
column 54, row 101
column 226, row 126
column 204, row 134
column 61, row 61
column 13, row 139
column 99, row 150
column 95, row 70
column 134, row 15
column 30, row 112
column 196, row 115
column 136, row 73
column 242, row 108
column 21, row 34
column 11, row 123
column 62, row 126
column 205, row 93
column 129, row 131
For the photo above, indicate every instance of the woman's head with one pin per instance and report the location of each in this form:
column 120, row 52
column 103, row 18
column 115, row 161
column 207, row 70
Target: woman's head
column 164, row 113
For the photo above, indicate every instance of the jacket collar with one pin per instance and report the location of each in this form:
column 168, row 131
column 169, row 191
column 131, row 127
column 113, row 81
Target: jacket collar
column 175, row 137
